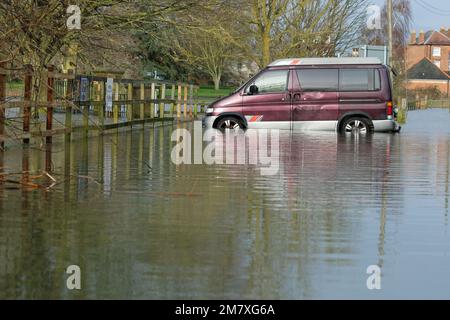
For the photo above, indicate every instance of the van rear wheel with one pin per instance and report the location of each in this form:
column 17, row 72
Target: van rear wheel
column 357, row 126
column 230, row 123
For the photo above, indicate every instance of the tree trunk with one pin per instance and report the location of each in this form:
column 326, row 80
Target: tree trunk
column 216, row 80
column 265, row 49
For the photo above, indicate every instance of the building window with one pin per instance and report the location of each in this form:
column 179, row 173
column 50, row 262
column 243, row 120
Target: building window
column 437, row 52
column 438, row 64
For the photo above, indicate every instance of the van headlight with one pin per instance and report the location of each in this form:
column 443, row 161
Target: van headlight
column 209, row 111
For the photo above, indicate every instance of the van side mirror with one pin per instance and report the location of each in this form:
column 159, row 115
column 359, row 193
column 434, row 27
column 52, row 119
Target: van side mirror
column 253, row 89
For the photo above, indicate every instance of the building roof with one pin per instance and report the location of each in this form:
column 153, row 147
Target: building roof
column 426, row 70
column 323, row 61
column 437, row 38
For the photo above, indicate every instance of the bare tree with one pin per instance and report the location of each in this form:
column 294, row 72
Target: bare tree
column 35, row 32
column 210, row 41
column 402, row 22
column 304, row 27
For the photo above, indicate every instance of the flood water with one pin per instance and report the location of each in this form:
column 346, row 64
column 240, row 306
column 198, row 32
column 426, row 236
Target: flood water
column 336, row 206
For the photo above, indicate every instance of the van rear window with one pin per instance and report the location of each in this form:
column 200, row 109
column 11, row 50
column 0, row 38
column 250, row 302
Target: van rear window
column 359, row 80
column 318, row 79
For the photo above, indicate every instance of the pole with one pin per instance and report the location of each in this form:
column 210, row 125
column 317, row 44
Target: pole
column 27, row 102
column 2, row 103
column 50, row 91
column 390, row 31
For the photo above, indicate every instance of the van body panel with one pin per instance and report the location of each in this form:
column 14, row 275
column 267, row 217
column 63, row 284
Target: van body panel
column 371, row 103
column 268, row 106
column 312, row 106
column 230, row 104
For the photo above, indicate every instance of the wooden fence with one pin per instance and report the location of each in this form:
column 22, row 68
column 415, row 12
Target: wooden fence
column 422, row 104
column 85, row 103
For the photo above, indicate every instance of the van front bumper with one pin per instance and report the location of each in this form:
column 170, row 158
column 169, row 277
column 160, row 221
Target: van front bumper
column 385, row 126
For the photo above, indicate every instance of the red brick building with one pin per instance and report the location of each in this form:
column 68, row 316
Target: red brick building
column 428, row 61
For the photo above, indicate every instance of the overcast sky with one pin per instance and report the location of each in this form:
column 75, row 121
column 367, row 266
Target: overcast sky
column 428, row 14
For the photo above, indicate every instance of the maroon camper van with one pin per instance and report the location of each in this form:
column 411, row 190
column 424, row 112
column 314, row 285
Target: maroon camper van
column 348, row 95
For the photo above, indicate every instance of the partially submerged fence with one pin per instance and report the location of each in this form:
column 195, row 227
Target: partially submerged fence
column 84, row 103
column 427, row 104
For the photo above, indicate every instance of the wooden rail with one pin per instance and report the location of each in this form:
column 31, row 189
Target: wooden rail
column 126, row 102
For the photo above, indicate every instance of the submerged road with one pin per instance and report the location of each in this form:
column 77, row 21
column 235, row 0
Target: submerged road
column 334, row 207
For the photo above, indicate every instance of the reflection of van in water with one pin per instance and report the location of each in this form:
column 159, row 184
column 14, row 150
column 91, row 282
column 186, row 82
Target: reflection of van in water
column 351, row 95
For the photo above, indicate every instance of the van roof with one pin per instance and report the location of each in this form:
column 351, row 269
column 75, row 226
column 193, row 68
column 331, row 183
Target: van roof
column 323, row 61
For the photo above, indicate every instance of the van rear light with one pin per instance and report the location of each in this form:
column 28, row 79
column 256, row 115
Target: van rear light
column 390, row 110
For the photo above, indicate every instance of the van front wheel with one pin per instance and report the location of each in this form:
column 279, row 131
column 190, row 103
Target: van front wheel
column 230, row 123
column 357, row 125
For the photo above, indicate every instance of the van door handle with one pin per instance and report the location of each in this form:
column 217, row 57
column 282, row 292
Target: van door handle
column 287, row 97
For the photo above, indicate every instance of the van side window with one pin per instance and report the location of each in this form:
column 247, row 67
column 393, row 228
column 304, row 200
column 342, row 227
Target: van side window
column 318, row 79
column 271, row 82
column 359, row 80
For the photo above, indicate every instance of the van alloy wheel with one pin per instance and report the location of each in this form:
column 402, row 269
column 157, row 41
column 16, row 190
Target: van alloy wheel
column 357, row 126
column 229, row 123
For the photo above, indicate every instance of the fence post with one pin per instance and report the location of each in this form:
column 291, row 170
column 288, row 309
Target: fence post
column 404, row 103
column 172, row 97
column 102, row 107
column 152, row 98
column 142, row 105
column 2, row 104
column 69, row 101
column 191, row 99
column 50, row 91
column 162, row 104
column 86, row 119
column 27, row 101
column 185, row 101
column 116, row 103
column 130, row 105
column 179, row 102
column 195, row 102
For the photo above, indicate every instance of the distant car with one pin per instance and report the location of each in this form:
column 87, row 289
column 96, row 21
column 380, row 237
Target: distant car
column 348, row 95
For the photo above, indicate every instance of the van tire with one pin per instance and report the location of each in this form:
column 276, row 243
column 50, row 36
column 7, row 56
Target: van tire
column 230, row 123
column 357, row 125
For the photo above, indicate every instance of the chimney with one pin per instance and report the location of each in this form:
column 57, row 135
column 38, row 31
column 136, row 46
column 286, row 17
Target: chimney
column 421, row 37
column 443, row 30
column 413, row 39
